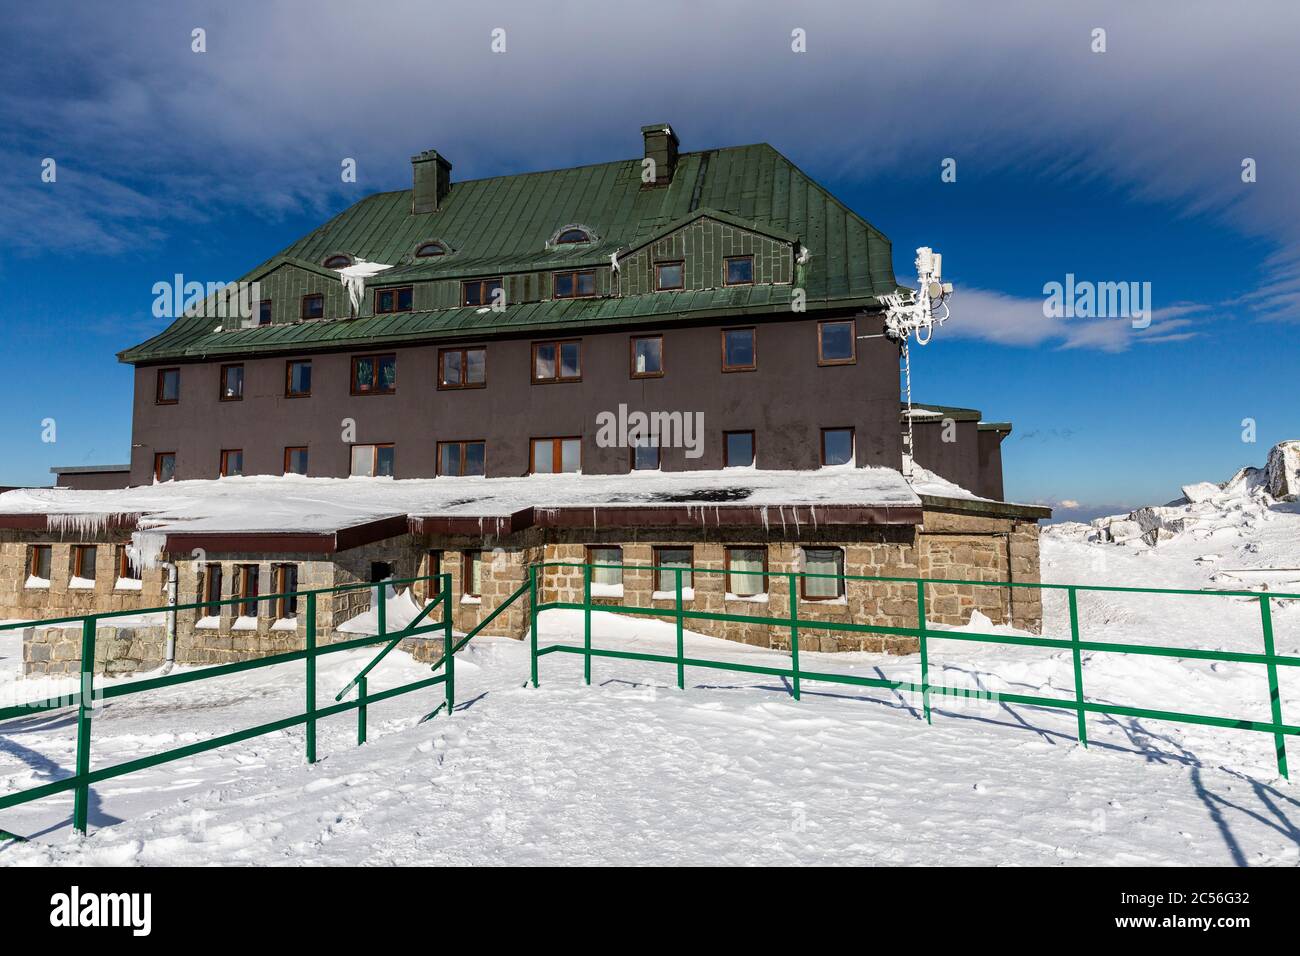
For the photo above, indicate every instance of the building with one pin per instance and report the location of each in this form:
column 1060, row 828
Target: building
column 465, row 337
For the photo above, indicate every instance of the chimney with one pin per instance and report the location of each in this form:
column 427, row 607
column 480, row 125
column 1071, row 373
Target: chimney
column 661, row 146
column 431, row 180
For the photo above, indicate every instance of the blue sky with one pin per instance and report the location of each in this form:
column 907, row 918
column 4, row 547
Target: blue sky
column 1115, row 166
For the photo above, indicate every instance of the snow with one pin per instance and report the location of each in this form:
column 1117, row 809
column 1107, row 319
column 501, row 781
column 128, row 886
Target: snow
column 400, row 609
column 34, row 582
column 128, row 584
column 688, row 594
column 354, row 278
column 245, row 622
column 80, row 584
column 606, row 590
column 285, row 624
column 209, row 623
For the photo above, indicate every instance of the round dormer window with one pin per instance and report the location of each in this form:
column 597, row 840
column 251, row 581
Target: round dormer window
column 428, row 250
column 337, row 262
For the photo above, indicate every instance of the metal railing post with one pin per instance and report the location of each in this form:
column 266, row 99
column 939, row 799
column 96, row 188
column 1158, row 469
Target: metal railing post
column 381, row 609
column 1078, row 664
column 449, row 657
column 532, row 617
column 311, row 678
column 586, row 623
column 1274, row 699
column 361, row 711
column 81, row 796
column 681, row 645
column 925, row 659
column 794, row 634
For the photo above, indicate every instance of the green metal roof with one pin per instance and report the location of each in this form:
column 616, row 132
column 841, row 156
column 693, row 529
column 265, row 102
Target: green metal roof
column 503, row 224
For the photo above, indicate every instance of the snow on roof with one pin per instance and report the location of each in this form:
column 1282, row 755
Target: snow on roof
column 292, row 503
column 926, row 482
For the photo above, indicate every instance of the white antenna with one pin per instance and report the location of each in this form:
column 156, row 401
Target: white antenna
column 916, row 312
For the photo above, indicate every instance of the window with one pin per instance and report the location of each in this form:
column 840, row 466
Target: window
column 168, row 391
column 739, row 350
column 164, row 466
column 126, row 571
column 575, row 285
column 380, row 571
column 471, row 582
column 647, row 356
column 429, row 249
column 372, row 461
column 823, row 561
column 670, row 275
column 374, row 374
column 605, row 577
column 285, row 584
column 555, row 455
column 295, row 460
column 246, row 589
column 297, row 378
column 737, row 449
column 837, row 342
column 837, row 446
column 480, row 291
column 461, row 457
column 666, row 559
column 38, row 561
column 337, row 262
column 393, row 300
column 313, row 306
column 84, row 559
column 232, row 383
column 462, row 368
column 432, row 569
column 746, row 571
column 264, row 312
column 738, row 270
column 557, row 362
column 212, row 589
column 572, row 235
column 232, row 462
column 645, row 457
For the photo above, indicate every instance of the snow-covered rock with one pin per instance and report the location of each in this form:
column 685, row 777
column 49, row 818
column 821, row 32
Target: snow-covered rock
column 1201, row 491
column 1283, row 470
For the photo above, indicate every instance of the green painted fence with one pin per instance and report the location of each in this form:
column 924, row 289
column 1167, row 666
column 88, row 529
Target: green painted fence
column 1076, row 644
column 84, row 700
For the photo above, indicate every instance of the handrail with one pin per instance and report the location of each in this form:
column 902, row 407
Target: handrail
column 482, row 624
column 412, row 628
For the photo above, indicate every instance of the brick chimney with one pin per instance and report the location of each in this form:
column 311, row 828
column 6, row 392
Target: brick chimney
column 661, row 146
column 431, row 181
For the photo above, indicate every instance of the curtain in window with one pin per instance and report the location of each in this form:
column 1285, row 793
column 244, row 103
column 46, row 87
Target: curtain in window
column 606, row 556
column 745, row 560
column 666, row 580
column 823, row 561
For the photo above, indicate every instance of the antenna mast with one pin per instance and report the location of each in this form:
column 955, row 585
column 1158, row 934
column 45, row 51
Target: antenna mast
column 913, row 313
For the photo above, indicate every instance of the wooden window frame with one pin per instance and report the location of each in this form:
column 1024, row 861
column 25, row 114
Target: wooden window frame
column 302, row 313
column 840, row 581
column 158, row 456
column 557, row 454
column 657, row 558
column 753, row 366
column 555, row 294
column 466, row 576
column 158, row 387
column 463, row 351
column 270, row 313
column 853, row 443
column 288, row 449
column 853, row 338
column 727, row 567
column 659, row 266
column 437, row 457
column 558, row 378
column 374, row 457
column 631, row 458
column 280, row 586
column 753, row 444
column 396, row 291
column 79, row 560
column 224, row 471
column 726, row 262
column 375, row 357
column 288, row 378
column 244, row 575
column 124, row 569
column 481, row 283
column 33, row 565
column 432, row 569
column 631, row 356
column 208, row 596
column 221, row 383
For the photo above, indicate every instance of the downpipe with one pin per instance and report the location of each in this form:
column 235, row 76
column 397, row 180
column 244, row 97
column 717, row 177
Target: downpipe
column 170, row 654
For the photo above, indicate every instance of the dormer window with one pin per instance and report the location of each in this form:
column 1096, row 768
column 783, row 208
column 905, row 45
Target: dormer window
column 337, row 262
column 738, row 270
column 428, row 250
column 572, row 235
column 393, row 300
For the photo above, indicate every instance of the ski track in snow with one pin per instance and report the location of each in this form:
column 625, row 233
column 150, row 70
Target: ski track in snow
column 731, row 771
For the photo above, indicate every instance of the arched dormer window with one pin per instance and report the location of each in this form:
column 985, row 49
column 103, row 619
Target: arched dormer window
column 338, row 261
column 572, row 234
column 427, row 250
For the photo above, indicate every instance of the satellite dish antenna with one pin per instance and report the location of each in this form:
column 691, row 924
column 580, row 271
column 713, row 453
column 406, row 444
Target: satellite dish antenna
column 914, row 313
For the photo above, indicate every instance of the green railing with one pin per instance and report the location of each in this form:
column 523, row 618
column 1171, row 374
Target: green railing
column 680, row 612
column 84, row 700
